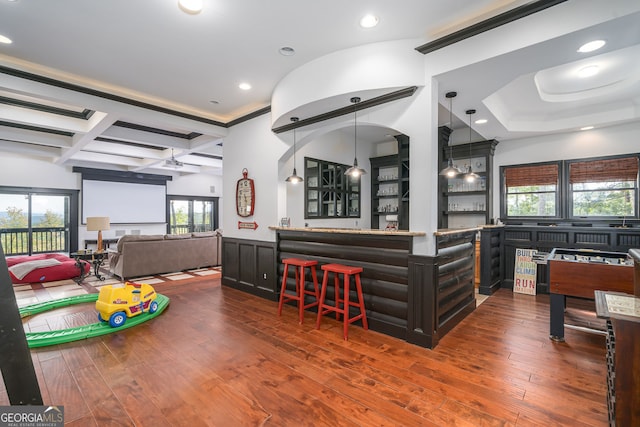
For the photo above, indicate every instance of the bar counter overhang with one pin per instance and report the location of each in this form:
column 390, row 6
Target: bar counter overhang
column 417, row 298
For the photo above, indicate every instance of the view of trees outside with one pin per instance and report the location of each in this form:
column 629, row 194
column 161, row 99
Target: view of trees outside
column 201, row 216
column 179, row 216
column 604, row 199
column 538, row 200
column 48, row 224
column 14, row 218
column 589, row 199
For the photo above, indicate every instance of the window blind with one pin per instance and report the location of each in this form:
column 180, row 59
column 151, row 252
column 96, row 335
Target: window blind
column 521, row 176
column 609, row 170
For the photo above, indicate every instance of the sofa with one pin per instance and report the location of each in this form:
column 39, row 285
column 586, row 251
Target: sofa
column 48, row 267
column 146, row 255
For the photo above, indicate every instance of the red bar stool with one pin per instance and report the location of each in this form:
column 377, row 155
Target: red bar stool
column 301, row 291
column 323, row 308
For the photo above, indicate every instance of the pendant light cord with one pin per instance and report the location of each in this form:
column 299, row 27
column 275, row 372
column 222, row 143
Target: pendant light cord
column 450, row 95
column 294, row 120
column 355, row 101
column 470, row 112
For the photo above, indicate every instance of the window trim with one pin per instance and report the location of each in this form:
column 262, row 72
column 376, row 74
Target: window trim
column 569, row 190
column 504, row 194
column 564, row 196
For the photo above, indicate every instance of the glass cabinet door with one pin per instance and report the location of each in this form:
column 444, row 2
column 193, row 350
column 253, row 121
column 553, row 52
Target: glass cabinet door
column 329, row 193
column 312, row 197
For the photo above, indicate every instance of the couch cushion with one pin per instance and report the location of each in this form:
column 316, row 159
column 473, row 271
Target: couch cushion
column 137, row 238
column 177, row 236
column 204, row 234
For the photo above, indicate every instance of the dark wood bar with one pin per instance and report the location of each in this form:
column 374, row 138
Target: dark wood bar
column 383, row 256
column 455, row 296
column 416, row 298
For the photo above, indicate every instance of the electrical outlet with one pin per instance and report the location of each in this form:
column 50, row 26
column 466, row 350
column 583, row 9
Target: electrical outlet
column 264, row 276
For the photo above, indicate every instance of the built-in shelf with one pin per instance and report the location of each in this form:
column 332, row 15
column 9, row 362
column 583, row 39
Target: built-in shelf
column 390, row 187
column 464, row 204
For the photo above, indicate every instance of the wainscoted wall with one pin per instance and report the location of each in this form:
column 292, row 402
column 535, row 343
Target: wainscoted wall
column 249, row 265
column 545, row 238
column 491, row 263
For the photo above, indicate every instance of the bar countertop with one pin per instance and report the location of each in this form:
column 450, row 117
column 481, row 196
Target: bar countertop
column 349, row 231
column 447, row 231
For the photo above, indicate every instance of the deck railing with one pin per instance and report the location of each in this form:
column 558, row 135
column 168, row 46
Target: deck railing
column 15, row 241
column 184, row 228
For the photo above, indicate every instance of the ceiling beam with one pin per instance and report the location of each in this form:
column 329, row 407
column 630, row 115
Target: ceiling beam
column 35, row 137
column 29, row 149
column 96, row 125
column 488, row 24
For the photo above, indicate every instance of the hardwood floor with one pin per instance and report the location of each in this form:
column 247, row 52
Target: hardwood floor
column 221, row 357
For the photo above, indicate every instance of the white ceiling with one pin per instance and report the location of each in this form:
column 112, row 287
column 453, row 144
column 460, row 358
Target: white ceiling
column 152, row 53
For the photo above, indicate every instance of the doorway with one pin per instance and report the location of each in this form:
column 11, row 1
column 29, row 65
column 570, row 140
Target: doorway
column 37, row 221
column 192, row 214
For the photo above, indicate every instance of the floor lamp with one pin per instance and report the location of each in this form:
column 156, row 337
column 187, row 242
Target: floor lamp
column 98, row 223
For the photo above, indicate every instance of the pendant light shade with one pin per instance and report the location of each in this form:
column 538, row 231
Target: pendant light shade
column 450, row 171
column 294, row 178
column 470, row 176
column 355, row 170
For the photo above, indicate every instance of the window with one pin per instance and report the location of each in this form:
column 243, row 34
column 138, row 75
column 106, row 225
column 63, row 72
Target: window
column 531, row 191
column 604, row 187
column 590, row 191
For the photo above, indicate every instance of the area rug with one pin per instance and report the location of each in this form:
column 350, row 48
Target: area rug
column 31, row 293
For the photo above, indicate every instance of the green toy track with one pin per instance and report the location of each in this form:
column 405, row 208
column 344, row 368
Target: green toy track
column 61, row 336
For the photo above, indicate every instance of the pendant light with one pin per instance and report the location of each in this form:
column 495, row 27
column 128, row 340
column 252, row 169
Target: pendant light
column 355, row 170
column 470, row 176
column 294, row 178
column 450, row 171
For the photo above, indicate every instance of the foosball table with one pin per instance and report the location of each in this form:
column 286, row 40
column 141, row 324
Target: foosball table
column 580, row 272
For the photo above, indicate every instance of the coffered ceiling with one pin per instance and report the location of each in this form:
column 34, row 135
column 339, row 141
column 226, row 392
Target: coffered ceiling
column 125, row 85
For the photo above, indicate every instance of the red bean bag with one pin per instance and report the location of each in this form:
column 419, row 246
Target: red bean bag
column 66, row 269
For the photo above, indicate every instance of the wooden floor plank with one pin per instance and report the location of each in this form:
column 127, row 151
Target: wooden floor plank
column 218, row 356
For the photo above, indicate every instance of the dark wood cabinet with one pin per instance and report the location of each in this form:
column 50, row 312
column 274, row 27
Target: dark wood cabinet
column 329, row 193
column 466, row 204
column 390, row 188
column 623, row 356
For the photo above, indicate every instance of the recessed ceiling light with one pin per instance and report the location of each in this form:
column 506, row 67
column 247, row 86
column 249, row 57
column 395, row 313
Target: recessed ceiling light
column 587, row 128
column 588, row 71
column 480, row 121
column 369, row 21
column 287, row 51
column 591, row 46
column 192, row 7
column 5, row 40
column 244, row 86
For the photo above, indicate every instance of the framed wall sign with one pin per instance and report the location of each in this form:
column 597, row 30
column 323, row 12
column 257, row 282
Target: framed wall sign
column 245, row 195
